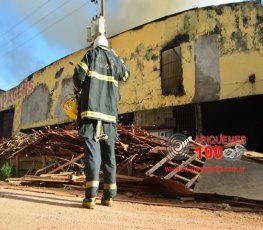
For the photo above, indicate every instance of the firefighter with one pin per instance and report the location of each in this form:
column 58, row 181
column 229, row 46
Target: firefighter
column 96, row 80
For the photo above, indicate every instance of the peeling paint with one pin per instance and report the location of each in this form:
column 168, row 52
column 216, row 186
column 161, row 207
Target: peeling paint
column 66, row 92
column 139, row 48
column 149, row 55
column 177, row 41
column 58, row 73
column 56, row 86
column 219, row 10
column 36, row 106
column 154, row 57
column 140, row 66
column 155, row 68
column 240, row 40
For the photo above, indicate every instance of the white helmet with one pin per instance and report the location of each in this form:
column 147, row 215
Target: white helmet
column 101, row 40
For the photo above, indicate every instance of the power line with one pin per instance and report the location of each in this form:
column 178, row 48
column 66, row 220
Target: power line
column 24, row 18
column 41, row 32
column 41, row 19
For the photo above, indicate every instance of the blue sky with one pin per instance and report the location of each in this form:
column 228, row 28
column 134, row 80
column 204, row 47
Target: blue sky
column 35, row 33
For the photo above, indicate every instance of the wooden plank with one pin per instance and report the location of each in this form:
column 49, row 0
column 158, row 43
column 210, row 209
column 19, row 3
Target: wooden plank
column 254, row 155
column 192, row 181
column 182, row 178
column 79, row 165
column 158, row 165
column 43, row 169
column 180, row 167
column 67, row 163
column 43, row 179
column 126, row 165
column 28, row 146
column 186, row 169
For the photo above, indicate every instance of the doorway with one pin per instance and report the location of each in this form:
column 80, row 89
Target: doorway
column 6, row 123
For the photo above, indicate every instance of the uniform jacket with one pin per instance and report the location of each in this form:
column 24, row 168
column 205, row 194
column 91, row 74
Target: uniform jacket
column 97, row 77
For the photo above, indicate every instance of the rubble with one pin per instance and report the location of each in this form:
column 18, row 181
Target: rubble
column 143, row 164
column 63, row 153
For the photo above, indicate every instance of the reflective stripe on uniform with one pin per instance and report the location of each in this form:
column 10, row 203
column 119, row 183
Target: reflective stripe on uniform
column 77, row 89
column 103, row 77
column 92, row 183
column 110, row 186
column 84, row 66
column 97, row 115
column 126, row 75
column 105, row 48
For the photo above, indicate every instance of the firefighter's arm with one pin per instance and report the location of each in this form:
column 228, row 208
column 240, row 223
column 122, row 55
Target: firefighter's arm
column 80, row 73
column 125, row 72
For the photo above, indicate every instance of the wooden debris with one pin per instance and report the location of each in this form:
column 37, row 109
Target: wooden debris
column 142, row 160
column 254, row 155
column 62, row 151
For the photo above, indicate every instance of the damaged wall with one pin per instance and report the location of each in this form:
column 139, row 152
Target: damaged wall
column 34, row 110
column 207, row 72
column 220, row 47
column 39, row 99
column 66, row 91
column 223, row 49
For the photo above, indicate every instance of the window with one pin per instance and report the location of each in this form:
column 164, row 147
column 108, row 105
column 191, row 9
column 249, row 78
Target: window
column 172, row 80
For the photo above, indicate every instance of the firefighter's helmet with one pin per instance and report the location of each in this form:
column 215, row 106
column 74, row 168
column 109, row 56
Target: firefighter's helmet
column 71, row 107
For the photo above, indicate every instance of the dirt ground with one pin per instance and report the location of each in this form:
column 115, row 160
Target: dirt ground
column 36, row 209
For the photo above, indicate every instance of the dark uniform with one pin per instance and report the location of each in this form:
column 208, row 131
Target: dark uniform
column 97, row 77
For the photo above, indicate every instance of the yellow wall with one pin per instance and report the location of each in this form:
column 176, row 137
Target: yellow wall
column 240, row 45
column 238, row 84
column 237, row 27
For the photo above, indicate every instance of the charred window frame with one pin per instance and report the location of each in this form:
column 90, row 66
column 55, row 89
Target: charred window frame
column 171, row 72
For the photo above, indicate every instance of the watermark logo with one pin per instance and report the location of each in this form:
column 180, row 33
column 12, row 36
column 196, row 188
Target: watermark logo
column 178, row 146
column 221, row 139
column 217, row 152
column 234, row 154
column 206, row 169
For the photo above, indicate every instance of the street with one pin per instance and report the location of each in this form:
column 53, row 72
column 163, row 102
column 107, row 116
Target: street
column 37, row 210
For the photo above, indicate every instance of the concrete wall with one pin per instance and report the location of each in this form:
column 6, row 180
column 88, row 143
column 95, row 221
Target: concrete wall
column 221, row 47
column 207, row 71
column 33, row 109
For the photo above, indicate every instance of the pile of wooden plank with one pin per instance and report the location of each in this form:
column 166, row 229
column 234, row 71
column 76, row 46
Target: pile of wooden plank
column 13, row 144
column 62, row 145
column 143, row 161
column 61, row 152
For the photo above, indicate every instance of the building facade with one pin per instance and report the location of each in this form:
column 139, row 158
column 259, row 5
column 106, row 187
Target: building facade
column 198, row 71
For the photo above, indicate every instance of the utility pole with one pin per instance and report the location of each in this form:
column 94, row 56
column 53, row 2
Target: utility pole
column 103, row 7
column 103, row 13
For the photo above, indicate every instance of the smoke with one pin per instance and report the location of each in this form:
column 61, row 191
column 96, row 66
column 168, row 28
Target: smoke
column 130, row 14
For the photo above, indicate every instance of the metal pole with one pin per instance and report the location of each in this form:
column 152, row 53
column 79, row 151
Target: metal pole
column 103, row 7
column 103, row 13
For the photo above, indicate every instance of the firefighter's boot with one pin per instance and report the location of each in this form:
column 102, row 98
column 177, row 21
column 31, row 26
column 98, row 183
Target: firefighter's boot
column 89, row 203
